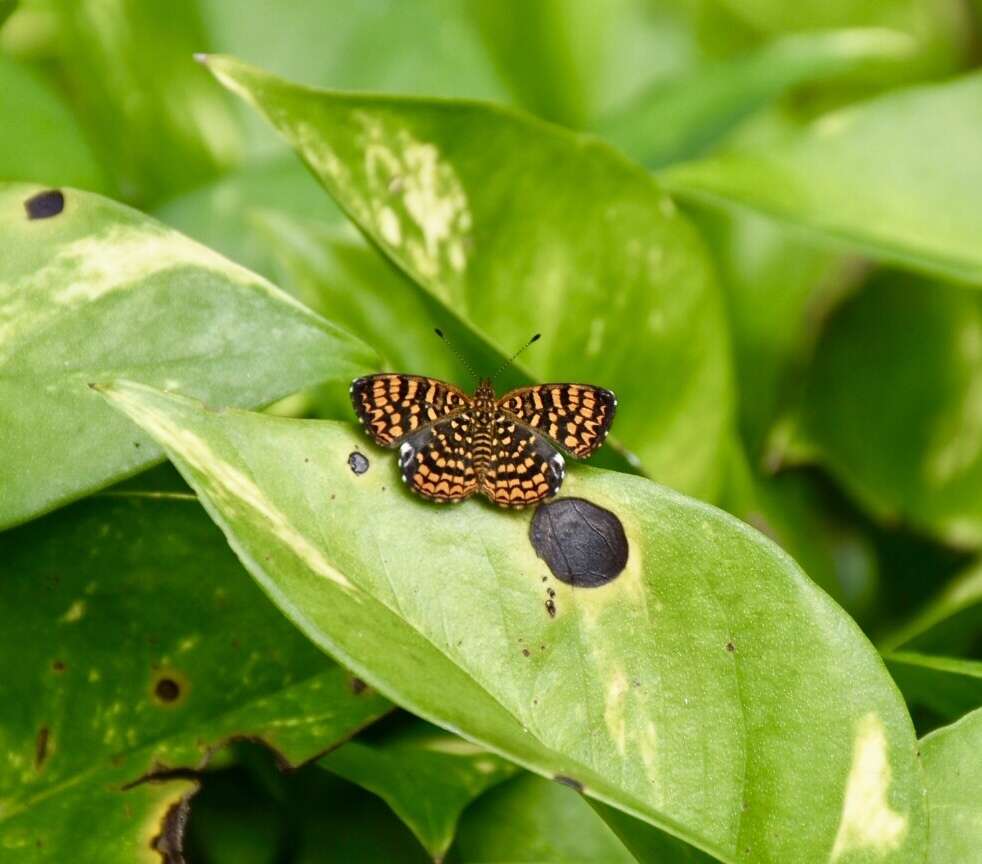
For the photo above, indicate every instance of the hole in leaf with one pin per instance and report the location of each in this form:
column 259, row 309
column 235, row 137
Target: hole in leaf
column 583, row 544
column 46, row 204
column 358, row 462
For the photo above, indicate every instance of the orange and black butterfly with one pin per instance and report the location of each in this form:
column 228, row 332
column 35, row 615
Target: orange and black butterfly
column 452, row 445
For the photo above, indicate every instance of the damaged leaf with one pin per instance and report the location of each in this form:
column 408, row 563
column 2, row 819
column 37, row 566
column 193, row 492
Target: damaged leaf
column 139, row 647
column 711, row 641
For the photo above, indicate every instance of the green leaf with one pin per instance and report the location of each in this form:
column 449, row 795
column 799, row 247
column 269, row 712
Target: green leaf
column 6, row 7
column 710, row 642
column 534, row 242
column 159, row 123
column 134, row 643
column 223, row 214
column 426, row 776
column 790, row 509
column 954, row 788
column 778, row 287
column 948, row 687
column 99, row 290
column 897, row 177
column 682, row 117
column 891, row 401
column 531, row 819
column 429, row 45
column 42, row 141
column 546, row 51
column 950, row 624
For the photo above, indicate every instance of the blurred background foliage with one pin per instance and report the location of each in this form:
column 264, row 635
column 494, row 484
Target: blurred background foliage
column 853, row 411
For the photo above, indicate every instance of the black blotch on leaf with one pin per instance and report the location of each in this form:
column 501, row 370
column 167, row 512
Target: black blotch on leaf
column 170, row 841
column 583, row 544
column 525, row 652
column 358, row 686
column 569, row 781
column 44, row 205
column 551, row 607
column 358, row 462
column 58, row 666
column 41, row 747
column 167, row 690
column 730, row 647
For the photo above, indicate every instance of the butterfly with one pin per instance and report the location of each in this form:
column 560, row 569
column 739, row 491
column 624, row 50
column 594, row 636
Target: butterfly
column 510, row 449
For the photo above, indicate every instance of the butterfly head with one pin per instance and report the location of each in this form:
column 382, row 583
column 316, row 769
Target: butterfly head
column 484, row 396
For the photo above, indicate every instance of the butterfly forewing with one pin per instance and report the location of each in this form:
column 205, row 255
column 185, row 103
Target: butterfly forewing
column 524, row 467
column 438, row 461
column 392, row 407
column 577, row 417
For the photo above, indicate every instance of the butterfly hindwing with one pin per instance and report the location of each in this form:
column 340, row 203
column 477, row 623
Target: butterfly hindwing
column 392, row 406
column 576, row 417
column 438, row 462
column 524, row 467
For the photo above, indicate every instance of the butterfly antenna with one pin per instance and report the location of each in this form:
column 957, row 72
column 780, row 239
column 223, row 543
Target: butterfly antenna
column 514, row 356
column 456, row 353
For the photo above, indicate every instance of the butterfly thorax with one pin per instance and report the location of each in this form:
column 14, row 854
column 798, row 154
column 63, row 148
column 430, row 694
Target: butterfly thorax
column 483, row 412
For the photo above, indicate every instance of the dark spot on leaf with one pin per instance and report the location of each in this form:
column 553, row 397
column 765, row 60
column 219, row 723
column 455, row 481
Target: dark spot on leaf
column 58, row 666
column 358, row 462
column 167, row 690
column 44, row 205
column 358, row 686
column 41, row 747
column 170, row 841
column 730, row 647
column 550, row 592
column 569, row 781
column 551, row 608
column 525, row 651
column 583, row 544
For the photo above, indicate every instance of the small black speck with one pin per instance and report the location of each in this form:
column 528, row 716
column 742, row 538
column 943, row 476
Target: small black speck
column 551, row 608
column 167, row 690
column 525, row 652
column 583, row 544
column 306, row 459
column 41, row 747
column 358, row 686
column 358, row 462
column 730, row 647
column 46, row 204
column 58, row 666
column 550, row 592
column 569, row 781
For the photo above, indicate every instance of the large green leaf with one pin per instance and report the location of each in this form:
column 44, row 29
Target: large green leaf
column 42, row 141
column 402, row 765
column 222, row 215
column 891, row 405
column 562, row 236
column 530, row 819
column 898, row 177
column 954, row 789
column 709, row 688
column 777, row 286
column 160, row 124
column 133, row 642
column 98, row 290
column 681, row 117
